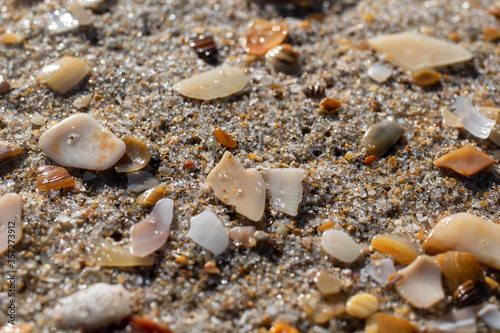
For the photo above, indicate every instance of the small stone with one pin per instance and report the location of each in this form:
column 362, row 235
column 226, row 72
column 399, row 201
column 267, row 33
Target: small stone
column 426, row 77
column 4, row 85
column 330, row 105
column 381, row 137
column 340, row 245
column 140, row 181
column 362, row 305
column 82, row 101
column 38, row 119
column 211, row 268
column 466, row 160
column 64, row 74
column 327, row 284
column 11, row 223
column 243, row 236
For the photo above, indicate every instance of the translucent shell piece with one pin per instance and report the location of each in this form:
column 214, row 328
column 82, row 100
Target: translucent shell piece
column 64, row 74
column 381, row 137
column 9, row 149
column 106, row 254
column 284, row 59
column 207, row 231
column 362, row 305
column 139, row 181
column 426, row 77
column 340, row 245
column 152, row 196
column 215, row 83
column 243, row 189
column 81, row 142
column 491, row 316
column 327, row 284
column 400, row 248
column 224, row 138
column 386, row 323
column 414, row 51
column 151, row 233
column 468, row 233
column 50, row 177
column 466, row 160
column 136, row 156
column 263, row 35
column 10, row 219
column 458, row 267
column 285, row 187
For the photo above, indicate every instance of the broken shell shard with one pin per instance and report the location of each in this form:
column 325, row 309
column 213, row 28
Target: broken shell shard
column 426, row 77
column 420, row 283
column 380, row 270
column 414, row 51
column 327, row 284
column 212, row 84
column 243, row 236
column 207, row 231
column 263, row 35
column 466, row 160
column 285, row 187
column 458, row 321
column 64, row 74
column 243, row 189
column 139, row 181
column 151, row 233
column 224, row 138
column 340, row 245
column 10, row 220
column 458, row 267
column 381, row 137
column 9, row 149
column 491, row 316
column 379, row 73
column 468, row 233
column 400, row 248
column 362, row 305
column 136, row 155
column 477, row 124
column 50, row 177
column 61, row 21
column 152, row 196
column 81, row 142
column 386, row 323
column 284, row 59
column 81, row 14
column 106, row 254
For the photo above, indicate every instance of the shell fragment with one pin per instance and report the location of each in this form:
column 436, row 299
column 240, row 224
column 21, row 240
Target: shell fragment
column 285, row 186
column 207, row 230
column 64, row 74
column 11, row 225
column 340, row 245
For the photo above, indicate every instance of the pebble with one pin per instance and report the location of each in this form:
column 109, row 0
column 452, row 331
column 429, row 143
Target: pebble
column 9, row 149
column 215, row 83
column 82, row 101
column 4, row 85
column 466, row 160
column 51, row 177
column 467, row 233
column 399, row 248
column 379, row 73
column 381, row 137
column 263, row 35
column 207, row 231
column 64, row 74
column 327, row 284
column 243, row 236
column 340, row 245
column 38, row 119
column 284, row 59
column 136, row 156
column 92, row 308
column 362, row 305
column 105, row 254
column 81, row 142
column 11, row 206
column 210, row 267
column 140, row 181
column 285, row 188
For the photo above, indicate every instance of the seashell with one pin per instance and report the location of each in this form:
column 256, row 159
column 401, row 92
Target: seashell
column 83, row 101
column 224, row 138
column 11, row 206
column 490, row 34
column 490, row 315
column 450, row 119
column 207, row 231
column 139, row 181
column 211, row 268
column 50, row 177
column 81, row 142
column 9, row 38
column 285, row 187
column 414, row 51
column 420, row 283
column 205, row 48
column 381, row 137
column 263, row 35
column 4, row 85
column 314, row 90
column 282, row 327
column 97, row 306
column 243, row 189
column 106, row 254
column 386, row 323
column 474, row 122
column 471, row 293
column 381, row 270
column 243, row 236
column 321, row 310
column 137, row 324
column 467, row 233
column 136, row 155
column 340, row 245
column 152, row 232
column 361, row 305
column 466, row 160
column 379, row 73
column 9, row 149
column 215, row 83
column 400, row 248
column 64, row 74
column 81, row 14
column 284, row 59
column 463, row 320
column 426, row 77
column 61, row 21
column 329, row 105
column 152, row 196
column 327, row 284
column 458, row 267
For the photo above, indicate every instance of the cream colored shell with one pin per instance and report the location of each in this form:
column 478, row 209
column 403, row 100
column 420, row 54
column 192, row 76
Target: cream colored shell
column 362, row 305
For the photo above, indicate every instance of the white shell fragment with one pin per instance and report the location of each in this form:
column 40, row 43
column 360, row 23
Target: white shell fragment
column 61, row 21
column 11, row 225
column 491, row 316
column 81, row 14
column 473, row 121
column 106, row 254
column 420, row 282
column 96, row 307
column 139, row 181
column 379, row 73
column 459, row 321
column 285, row 187
column 380, row 270
column 243, row 189
column 151, row 233
column 81, row 142
column 64, row 74
column 207, row 231
column 414, row 51
column 215, row 83
column 340, row 245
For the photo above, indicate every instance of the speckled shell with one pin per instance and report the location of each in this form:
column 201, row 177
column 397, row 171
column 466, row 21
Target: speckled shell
column 458, row 267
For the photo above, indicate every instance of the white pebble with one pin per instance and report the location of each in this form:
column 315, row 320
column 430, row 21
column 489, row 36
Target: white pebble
column 340, row 245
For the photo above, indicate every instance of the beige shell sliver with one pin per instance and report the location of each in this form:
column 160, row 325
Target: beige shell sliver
column 285, row 188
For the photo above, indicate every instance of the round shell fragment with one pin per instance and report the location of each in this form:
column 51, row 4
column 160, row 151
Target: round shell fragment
column 362, row 305
column 64, row 74
column 9, row 149
column 136, row 156
column 340, row 245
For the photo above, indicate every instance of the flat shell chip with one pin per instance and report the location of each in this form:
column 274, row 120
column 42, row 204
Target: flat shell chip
column 64, row 74
column 340, row 245
column 10, row 219
column 466, row 160
column 207, row 231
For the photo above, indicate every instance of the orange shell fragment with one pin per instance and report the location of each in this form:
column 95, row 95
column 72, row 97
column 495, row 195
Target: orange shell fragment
column 224, row 138
column 264, row 35
column 282, row 327
column 466, row 160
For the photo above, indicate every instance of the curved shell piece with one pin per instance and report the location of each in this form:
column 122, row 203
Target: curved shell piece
column 10, row 219
column 471, row 293
column 243, row 189
column 386, row 323
column 136, row 156
column 106, row 254
column 152, row 196
column 50, row 177
column 212, row 84
column 139, row 181
column 400, row 248
column 414, row 51
column 340, row 245
column 420, row 283
column 466, row 160
column 64, row 74
column 468, row 233
column 458, row 267
column 263, row 35
column 9, row 149
column 207, row 231
column 381, row 137
column 285, row 187
column 81, row 142
column 361, row 305
column 151, row 233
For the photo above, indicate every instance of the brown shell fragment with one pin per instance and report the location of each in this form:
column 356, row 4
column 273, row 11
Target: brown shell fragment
column 400, row 248
column 224, row 138
column 282, row 327
column 9, row 149
column 314, row 90
column 386, row 323
column 426, row 77
column 466, row 160
column 263, row 35
column 458, row 267
column 50, row 177
column 136, row 155
column 491, row 34
column 330, row 105
column 206, row 48
column 4, row 85
column 9, row 38
column 152, row 196
column 284, row 59
column 211, row 268
column 471, row 293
